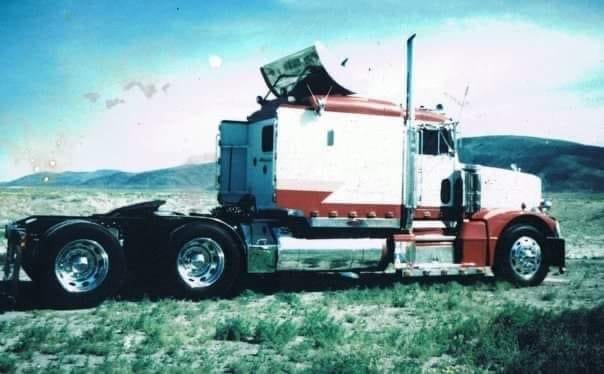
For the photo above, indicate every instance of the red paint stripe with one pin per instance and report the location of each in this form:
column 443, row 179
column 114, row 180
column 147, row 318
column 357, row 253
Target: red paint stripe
column 428, row 231
column 309, row 201
column 356, row 105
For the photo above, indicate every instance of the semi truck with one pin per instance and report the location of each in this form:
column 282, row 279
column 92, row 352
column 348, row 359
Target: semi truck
column 319, row 179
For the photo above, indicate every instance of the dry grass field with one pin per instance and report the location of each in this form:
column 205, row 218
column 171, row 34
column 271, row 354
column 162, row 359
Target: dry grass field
column 319, row 323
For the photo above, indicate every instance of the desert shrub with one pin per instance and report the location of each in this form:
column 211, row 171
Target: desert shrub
column 32, row 337
column 262, row 363
column 246, row 296
column 521, row 339
column 275, row 333
column 323, row 329
column 8, row 363
column 335, row 361
column 94, row 341
column 289, row 298
column 233, row 329
column 402, row 296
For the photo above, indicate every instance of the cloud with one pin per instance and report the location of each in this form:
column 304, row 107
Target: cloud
column 147, row 89
column 113, row 102
column 521, row 79
column 172, row 129
column 92, row 96
column 518, row 73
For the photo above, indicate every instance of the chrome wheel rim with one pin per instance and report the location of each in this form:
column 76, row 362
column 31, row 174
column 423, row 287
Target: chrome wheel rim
column 200, row 262
column 525, row 257
column 81, row 265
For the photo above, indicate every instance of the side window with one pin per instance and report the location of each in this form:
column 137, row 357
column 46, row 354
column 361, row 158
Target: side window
column 330, row 137
column 429, row 142
column 267, row 139
column 436, row 141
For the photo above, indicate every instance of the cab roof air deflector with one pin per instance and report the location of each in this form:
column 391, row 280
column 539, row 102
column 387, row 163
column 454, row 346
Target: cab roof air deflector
column 294, row 74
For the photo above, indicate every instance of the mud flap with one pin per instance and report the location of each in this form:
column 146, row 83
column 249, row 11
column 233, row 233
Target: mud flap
column 556, row 251
column 9, row 287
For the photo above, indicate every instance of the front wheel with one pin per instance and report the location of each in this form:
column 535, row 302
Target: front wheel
column 521, row 256
column 205, row 260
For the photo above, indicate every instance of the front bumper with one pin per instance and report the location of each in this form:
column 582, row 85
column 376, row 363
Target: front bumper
column 12, row 263
column 556, row 251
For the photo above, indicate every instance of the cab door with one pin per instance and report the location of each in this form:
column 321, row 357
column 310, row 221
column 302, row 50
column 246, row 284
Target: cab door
column 435, row 168
column 260, row 162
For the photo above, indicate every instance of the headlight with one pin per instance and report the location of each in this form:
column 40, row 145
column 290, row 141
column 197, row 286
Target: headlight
column 558, row 232
column 545, row 205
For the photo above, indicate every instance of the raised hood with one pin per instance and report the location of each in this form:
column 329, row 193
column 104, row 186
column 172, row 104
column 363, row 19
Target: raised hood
column 311, row 67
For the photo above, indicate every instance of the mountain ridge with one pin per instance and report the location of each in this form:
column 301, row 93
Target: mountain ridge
column 190, row 175
column 562, row 165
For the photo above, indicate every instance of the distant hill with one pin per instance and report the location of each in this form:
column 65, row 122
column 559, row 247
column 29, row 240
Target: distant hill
column 197, row 175
column 563, row 166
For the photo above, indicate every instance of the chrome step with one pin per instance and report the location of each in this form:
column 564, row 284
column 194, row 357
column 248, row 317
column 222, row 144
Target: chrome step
column 440, row 269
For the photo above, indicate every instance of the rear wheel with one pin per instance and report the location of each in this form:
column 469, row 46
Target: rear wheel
column 84, row 264
column 205, row 260
column 521, row 256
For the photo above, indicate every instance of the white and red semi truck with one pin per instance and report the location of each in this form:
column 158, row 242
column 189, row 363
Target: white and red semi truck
column 319, row 179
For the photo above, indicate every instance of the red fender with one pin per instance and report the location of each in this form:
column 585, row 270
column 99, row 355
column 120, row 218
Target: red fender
column 497, row 220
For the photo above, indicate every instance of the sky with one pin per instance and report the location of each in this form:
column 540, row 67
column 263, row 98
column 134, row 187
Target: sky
column 133, row 85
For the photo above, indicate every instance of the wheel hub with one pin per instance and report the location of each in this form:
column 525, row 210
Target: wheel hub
column 525, row 257
column 81, row 265
column 200, row 262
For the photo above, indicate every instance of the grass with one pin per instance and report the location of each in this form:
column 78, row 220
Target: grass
column 416, row 327
column 324, row 324
column 581, row 218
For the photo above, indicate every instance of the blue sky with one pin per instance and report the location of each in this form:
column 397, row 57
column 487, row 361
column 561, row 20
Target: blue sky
column 129, row 85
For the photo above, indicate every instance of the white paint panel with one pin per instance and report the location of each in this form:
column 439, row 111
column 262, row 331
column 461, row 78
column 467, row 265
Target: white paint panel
column 363, row 166
column 431, row 170
column 501, row 188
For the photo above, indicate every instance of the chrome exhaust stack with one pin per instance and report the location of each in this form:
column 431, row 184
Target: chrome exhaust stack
column 410, row 148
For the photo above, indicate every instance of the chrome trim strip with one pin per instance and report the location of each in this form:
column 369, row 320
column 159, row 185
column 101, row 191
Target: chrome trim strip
column 421, row 224
column 348, row 223
column 434, row 238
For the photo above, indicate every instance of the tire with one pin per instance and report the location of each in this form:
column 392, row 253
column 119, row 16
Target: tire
column 205, row 261
column 521, row 257
column 83, row 264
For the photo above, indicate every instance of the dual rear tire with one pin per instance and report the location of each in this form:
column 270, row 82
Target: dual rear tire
column 205, row 261
column 81, row 263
